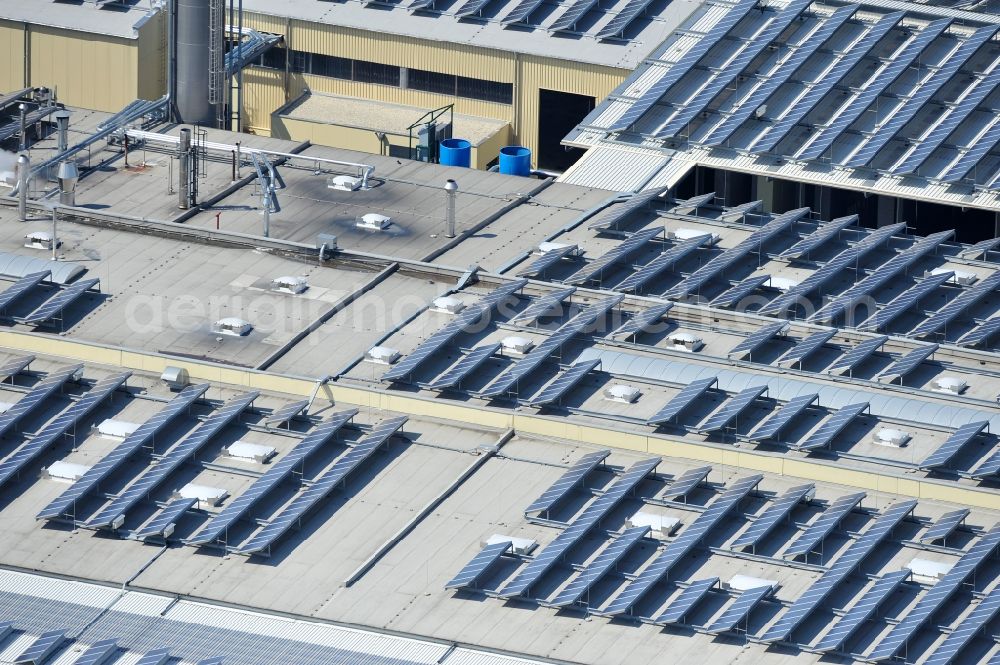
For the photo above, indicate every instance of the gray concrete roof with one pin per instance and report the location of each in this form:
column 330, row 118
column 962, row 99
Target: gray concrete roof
column 113, row 19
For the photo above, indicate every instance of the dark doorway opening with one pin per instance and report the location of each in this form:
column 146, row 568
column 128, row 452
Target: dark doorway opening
column 559, row 113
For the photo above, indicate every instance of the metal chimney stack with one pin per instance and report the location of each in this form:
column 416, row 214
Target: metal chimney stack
column 184, row 170
column 62, row 128
column 23, row 172
column 450, row 188
column 68, row 176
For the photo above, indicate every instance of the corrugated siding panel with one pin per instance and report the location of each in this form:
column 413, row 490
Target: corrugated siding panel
column 152, row 83
column 263, row 93
column 615, row 169
column 11, row 56
column 68, row 60
column 55, row 589
column 467, row 657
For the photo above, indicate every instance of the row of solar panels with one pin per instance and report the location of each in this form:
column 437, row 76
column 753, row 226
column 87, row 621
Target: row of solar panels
column 104, row 652
column 53, row 307
column 627, row 601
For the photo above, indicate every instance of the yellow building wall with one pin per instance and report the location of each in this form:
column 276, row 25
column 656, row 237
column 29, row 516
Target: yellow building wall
column 11, row 56
column 151, row 54
column 95, row 73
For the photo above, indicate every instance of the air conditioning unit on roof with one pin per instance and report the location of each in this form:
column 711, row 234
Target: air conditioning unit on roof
column 373, row 222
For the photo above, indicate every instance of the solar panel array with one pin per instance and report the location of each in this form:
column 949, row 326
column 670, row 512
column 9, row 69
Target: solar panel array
column 677, row 549
column 833, row 426
column 174, row 458
column 682, row 400
column 857, row 355
column 469, row 576
column 665, row 261
column 55, row 305
column 732, row 409
column 772, row 427
column 845, row 564
column 471, row 8
column 740, row 609
column 294, row 512
column 618, row 254
column 945, row 526
column 577, row 590
column 219, row 526
column 778, row 510
column 642, row 321
column 981, row 334
column 573, row 477
column 155, row 657
column 828, row 520
column 65, row 503
column 686, row 601
column 19, row 288
column 42, row 648
column 907, row 363
column 966, row 630
column 39, row 392
column 547, row 260
column 613, row 215
column 166, row 518
column 521, row 13
column 732, row 296
column 283, row 415
column 98, row 653
column 685, row 483
column 966, row 164
column 990, row 467
column 805, row 348
column 623, row 19
column 906, row 300
column 980, row 249
column 862, row 610
column 959, row 438
column 13, row 367
column 569, row 18
column 961, row 303
column 822, row 235
column 464, row 367
column 757, row 339
column 543, row 306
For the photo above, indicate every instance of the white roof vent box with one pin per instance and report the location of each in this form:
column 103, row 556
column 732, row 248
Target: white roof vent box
column 895, row 438
column 39, row 240
column 949, row 384
column 382, row 355
column 118, row 430
column 927, row 571
column 747, row 582
column 962, row 277
column 684, row 233
column 448, row 305
column 213, row 496
column 546, row 247
column 250, row 452
column 515, row 344
column 521, row 545
column 232, row 326
column 65, row 472
column 289, row 284
column 622, row 393
column 659, row 524
column 685, row 341
column 782, row 283
column 344, row 183
column 373, row 222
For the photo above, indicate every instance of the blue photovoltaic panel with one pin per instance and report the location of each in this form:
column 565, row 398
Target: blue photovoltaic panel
column 12, row 368
column 419, row 4
column 467, row 317
column 20, row 287
column 316, row 492
column 857, row 355
column 944, row 527
column 574, row 476
column 60, row 425
column 543, row 306
column 888, row 129
column 822, row 235
column 685, row 483
column 590, row 517
column 469, row 576
column 157, row 657
column 52, row 382
column 980, row 249
column 886, row 77
column 966, row 630
column 693, row 203
column 862, row 610
column 685, row 602
column 778, row 510
column 740, row 609
column 756, row 242
column 286, row 413
column 625, row 249
column 564, row 382
column 961, row 303
column 782, row 417
column 526, row 365
column 805, row 348
column 731, row 409
column 981, row 334
column 601, row 566
column 661, row 263
column 614, row 214
column 908, row 363
column 6, row 627
column 623, row 19
column 282, row 469
column 52, row 307
column 937, row 596
column 973, row 154
column 464, row 367
column 806, row 48
column 569, row 18
column 214, row 660
column 955, row 442
column 679, row 548
column 905, row 301
column 547, row 260
column 174, row 458
column 64, row 504
column 642, row 321
column 682, row 400
column 676, row 70
column 725, row 76
column 472, row 7
column 821, row 88
column 833, row 426
column 845, row 564
column 732, row 296
column 816, row 532
column 167, row 517
column 41, row 648
column 988, row 468
column 758, row 339
column 98, row 653
column 521, row 12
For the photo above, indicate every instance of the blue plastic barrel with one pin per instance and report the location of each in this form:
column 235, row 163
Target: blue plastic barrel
column 515, row 160
column 456, row 152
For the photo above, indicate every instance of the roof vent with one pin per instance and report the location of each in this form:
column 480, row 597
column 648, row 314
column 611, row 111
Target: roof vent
column 116, row 429
column 782, row 283
column 39, row 240
column 747, row 582
column 65, row 471
column 546, row 247
column 250, row 452
column 175, row 377
column 685, row 341
column 927, row 571
column 4, row 406
column 888, row 436
column 949, row 384
column 383, row 355
column 344, row 183
column 289, row 284
column 685, row 233
column 621, row 393
column 521, row 545
column 213, row 496
column 232, row 326
column 448, row 305
column 373, row 222
column 962, row 277
column 661, row 524
column 515, row 344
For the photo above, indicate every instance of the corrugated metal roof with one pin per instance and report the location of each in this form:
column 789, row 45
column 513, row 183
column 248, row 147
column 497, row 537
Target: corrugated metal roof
column 617, row 169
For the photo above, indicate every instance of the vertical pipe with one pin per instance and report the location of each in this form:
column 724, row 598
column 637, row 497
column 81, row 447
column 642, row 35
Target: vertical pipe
column 239, row 77
column 24, row 111
column 55, row 238
column 23, row 169
column 62, row 129
column 184, row 170
column 450, row 188
column 267, row 220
